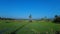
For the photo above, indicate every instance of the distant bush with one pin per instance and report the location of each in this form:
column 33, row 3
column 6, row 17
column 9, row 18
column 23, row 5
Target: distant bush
column 7, row 22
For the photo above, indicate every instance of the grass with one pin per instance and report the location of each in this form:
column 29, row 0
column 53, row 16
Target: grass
column 35, row 27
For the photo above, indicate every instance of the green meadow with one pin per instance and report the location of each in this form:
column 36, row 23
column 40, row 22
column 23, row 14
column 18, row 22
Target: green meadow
column 26, row 27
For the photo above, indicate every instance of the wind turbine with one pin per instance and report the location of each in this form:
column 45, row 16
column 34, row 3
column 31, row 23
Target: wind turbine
column 30, row 18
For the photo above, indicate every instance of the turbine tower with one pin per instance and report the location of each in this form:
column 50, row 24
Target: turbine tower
column 30, row 18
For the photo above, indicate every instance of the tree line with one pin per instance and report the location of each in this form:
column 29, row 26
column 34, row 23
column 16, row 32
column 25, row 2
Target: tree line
column 6, row 18
column 56, row 19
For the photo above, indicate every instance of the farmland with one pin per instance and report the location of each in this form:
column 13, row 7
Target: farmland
column 26, row 27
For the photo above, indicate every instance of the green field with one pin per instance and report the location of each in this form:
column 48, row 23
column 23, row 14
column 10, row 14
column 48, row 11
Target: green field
column 35, row 27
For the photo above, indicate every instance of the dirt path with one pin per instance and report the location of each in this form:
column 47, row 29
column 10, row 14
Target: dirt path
column 14, row 32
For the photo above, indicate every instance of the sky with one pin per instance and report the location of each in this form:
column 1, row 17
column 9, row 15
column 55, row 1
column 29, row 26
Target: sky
column 23, row 8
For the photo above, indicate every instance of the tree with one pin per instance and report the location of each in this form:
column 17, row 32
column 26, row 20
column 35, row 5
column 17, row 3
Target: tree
column 56, row 16
column 0, row 17
column 56, row 19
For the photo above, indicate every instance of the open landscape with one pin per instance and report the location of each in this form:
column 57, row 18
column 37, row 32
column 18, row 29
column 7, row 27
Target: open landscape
column 29, row 16
column 26, row 27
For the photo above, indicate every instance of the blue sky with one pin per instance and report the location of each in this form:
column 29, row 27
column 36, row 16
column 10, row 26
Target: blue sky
column 23, row 8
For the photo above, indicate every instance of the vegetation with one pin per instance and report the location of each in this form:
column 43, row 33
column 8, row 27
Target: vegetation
column 56, row 19
column 6, row 18
column 29, row 28
column 43, row 26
